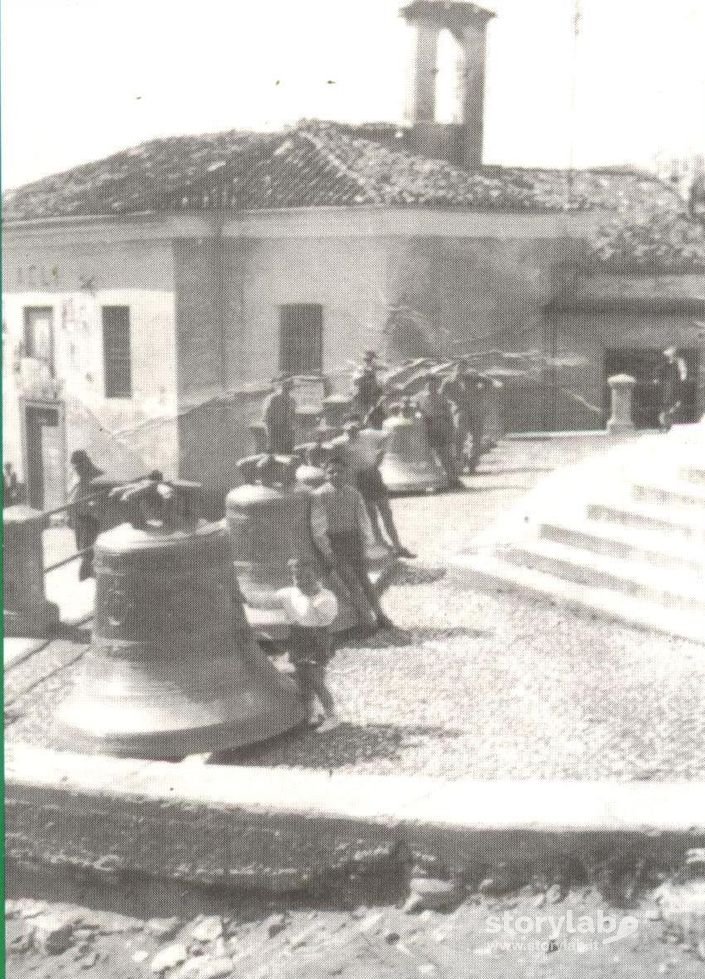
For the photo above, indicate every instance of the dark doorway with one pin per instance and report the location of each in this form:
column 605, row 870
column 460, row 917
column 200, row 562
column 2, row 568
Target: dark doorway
column 44, row 454
column 643, row 365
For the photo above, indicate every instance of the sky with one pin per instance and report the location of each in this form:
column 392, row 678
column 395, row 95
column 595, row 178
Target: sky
column 84, row 78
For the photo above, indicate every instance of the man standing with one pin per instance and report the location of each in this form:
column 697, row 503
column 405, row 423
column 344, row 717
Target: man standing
column 280, row 417
column 455, row 389
column 362, row 450
column 476, row 410
column 671, row 378
column 368, row 391
column 341, row 528
column 83, row 514
column 465, row 389
column 437, row 414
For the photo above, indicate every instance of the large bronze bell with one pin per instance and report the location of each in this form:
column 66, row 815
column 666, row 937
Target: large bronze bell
column 408, row 465
column 173, row 668
column 269, row 520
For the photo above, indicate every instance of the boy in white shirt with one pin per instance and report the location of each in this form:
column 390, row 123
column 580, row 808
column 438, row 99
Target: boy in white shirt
column 310, row 609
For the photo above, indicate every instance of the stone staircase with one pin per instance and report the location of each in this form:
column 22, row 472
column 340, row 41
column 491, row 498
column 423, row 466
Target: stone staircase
column 622, row 533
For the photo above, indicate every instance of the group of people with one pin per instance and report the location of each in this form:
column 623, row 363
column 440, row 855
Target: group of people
column 452, row 408
column 342, row 533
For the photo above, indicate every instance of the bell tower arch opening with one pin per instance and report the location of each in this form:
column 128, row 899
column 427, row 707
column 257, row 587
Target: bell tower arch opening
column 450, row 70
column 446, row 80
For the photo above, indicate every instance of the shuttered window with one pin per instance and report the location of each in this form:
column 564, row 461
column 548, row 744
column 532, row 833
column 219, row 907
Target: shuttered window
column 117, row 359
column 301, row 339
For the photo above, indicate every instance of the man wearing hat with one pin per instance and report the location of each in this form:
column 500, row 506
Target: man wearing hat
column 368, row 390
column 280, row 417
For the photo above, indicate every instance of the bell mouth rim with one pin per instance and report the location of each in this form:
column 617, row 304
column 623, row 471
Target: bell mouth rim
column 251, row 492
column 132, row 539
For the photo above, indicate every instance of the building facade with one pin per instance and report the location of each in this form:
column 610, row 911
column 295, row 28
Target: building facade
column 149, row 298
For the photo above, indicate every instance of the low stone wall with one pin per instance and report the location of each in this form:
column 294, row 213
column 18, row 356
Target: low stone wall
column 273, row 830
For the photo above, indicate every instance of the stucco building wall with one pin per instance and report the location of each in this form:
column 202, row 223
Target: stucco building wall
column 205, row 293
column 76, row 278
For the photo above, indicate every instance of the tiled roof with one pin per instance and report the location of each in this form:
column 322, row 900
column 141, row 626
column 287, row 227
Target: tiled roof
column 317, row 165
column 133, row 180
column 653, row 243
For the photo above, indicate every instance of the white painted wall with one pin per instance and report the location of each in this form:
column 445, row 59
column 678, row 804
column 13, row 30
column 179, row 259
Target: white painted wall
column 124, row 435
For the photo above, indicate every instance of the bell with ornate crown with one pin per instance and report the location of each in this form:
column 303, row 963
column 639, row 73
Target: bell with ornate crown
column 174, row 668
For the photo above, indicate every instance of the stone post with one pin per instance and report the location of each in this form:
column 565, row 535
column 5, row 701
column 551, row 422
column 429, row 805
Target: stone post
column 26, row 610
column 622, row 389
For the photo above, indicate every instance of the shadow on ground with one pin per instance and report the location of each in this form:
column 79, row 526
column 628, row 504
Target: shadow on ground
column 348, row 744
column 448, row 632
column 415, row 574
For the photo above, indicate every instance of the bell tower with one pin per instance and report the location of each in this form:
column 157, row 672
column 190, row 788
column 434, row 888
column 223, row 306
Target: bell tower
column 459, row 141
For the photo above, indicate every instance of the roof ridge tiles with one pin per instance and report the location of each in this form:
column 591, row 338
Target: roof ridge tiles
column 367, row 185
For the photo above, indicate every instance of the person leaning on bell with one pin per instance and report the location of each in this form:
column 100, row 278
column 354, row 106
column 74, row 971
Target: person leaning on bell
column 362, row 450
column 340, row 528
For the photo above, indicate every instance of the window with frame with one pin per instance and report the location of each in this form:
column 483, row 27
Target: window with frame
column 117, row 357
column 301, row 339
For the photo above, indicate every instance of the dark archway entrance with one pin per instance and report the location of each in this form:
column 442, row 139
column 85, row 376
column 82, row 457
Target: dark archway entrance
column 643, row 365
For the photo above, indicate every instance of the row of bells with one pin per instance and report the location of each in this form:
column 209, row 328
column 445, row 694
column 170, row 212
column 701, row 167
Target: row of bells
column 174, row 667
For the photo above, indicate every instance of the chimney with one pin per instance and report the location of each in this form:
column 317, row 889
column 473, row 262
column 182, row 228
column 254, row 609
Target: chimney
column 459, row 142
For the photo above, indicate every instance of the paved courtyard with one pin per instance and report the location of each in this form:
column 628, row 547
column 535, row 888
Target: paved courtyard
column 490, row 685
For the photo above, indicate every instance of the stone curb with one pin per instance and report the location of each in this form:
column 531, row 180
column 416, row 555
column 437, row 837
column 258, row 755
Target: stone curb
column 17, row 649
column 278, row 830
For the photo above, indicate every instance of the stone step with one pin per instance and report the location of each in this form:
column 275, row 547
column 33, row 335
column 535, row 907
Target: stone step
column 650, row 517
column 492, row 573
column 676, row 494
column 636, row 580
column 693, row 474
column 629, row 544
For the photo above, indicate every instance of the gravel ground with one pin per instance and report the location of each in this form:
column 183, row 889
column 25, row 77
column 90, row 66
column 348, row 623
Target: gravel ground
column 494, row 687
column 487, row 685
column 286, row 942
